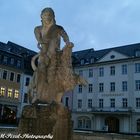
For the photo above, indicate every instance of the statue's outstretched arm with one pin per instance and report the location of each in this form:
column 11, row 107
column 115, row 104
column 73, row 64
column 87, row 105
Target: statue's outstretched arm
column 66, row 38
column 37, row 34
column 64, row 35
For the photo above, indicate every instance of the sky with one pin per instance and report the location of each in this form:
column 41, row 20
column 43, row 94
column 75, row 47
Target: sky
column 97, row 24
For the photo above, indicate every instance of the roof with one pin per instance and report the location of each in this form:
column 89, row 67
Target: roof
column 19, row 50
column 87, row 55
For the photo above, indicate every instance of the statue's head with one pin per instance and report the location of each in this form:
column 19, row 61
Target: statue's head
column 48, row 16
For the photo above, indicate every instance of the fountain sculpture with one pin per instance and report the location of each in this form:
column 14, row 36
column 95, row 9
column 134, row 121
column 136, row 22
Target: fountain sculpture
column 53, row 76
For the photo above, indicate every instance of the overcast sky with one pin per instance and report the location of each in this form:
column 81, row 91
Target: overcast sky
column 94, row 24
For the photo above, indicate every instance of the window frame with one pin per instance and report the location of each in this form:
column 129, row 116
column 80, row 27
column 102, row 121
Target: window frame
column 79, row 103
column 101, row 103
column 112, row 102
column 90, row 103
column 90, row 88
column 124, row 86
column 112, row 70
column 124, row 69
column 112, row 86
column 90, row 73
column 101, row 72
column 124, row 102
column 101, row 87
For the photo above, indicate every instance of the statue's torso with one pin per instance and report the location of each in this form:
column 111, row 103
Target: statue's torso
column 45, row 35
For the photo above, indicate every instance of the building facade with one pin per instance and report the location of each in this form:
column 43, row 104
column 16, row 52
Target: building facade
column 15, row 76
column 111, row 99
column 14, row 68
column 109, row 102
column 26, row 78
column 10, row 78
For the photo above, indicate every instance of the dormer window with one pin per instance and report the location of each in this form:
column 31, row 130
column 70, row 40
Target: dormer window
column 18, row 63
column 87, row 61
column 12, row 61
column 137, row 53
column 82, row 62
column 5, row 59
column 92, row 60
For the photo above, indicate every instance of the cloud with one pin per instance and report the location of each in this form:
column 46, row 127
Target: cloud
column 90, row 24
column 109, row 23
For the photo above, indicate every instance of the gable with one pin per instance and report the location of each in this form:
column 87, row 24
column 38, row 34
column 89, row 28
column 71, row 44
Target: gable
column 112, row 55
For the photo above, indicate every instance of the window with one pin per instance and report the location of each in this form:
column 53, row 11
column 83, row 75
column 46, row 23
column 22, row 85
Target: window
column 90, row 88
column 112, row 56
column 16, row 94
column 5, row 74
column 101, row 103
column 112, row 86
column 124, row 102
column 101, row 87
column 137, row 53
column 90, row 72
column 124, row 69
column 101, row 72
column 67, row 101
column 112, row 70
column 12, row 76
column 80, row 89
column 25, row 98
column 79, row 123
column 89, row 103
column 2, row 91
column 137, row 85
column 79, row 103
column 5, row 59
column 92, row 60
column 18, row 78
column 112, row 102
column 137, row 67
column 12, row 61
column 80, row 72
column 138, row 102
column 27, row 81
column 138, row 125
column 9, row 95
column 124, row 85
column 82, row 61
column 88, row 123
column 84, row 123
column 18, row 63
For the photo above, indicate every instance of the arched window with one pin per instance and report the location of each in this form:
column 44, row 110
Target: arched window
column 84, row 123
column 138, row 125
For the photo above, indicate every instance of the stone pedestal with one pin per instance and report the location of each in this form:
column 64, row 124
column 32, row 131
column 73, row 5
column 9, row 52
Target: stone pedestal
column 45, row 119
